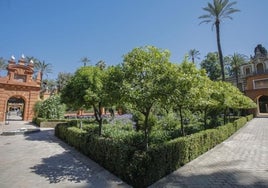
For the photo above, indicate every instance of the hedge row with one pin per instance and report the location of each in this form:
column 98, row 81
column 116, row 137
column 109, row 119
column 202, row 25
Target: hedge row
column 113, row 155
column 38, row 121
column 142, row 168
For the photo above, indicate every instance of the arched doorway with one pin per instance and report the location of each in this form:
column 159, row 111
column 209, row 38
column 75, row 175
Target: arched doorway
column 263, row 104
column 15, row 108
column 260, row 68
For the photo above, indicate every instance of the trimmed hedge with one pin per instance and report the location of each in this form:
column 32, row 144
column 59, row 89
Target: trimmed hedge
column 38, row 121
column 141, row 168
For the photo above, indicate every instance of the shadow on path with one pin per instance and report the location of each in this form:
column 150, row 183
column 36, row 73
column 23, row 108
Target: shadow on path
column 65, row 164
column 46, row 135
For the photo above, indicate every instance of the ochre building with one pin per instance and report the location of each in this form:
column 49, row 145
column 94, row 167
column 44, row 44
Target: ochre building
column 253, row 80
column 18, row 90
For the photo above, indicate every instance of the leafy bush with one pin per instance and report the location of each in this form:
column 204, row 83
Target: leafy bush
column 51, row 108
column 38, row 121
column 37, row 108
column 167, row 121
column 160, row 136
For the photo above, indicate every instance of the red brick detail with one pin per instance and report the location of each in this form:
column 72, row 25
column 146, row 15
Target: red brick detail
column 19, row 82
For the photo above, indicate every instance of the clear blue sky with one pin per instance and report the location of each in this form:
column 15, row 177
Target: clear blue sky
column 61, row 32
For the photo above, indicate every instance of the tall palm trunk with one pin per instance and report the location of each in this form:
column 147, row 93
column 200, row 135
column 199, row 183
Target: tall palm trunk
column 41, row 76
column 217, row 23
column 236, row 76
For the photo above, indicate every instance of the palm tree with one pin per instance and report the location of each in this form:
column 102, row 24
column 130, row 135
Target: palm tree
column 101, row 64
column 220, row 9
column 63, row 79
column 194, row 54
column 29, row 59
column 43, row 68
column 3, row 64
column 236, row 61
column 85, row 60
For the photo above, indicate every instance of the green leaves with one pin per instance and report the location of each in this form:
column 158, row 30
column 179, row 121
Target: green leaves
column 230, row 97
column 143, row 76
column 145, row 81
column 84, row 88
column 51, row 108
column 212, row 66
column 218, row 10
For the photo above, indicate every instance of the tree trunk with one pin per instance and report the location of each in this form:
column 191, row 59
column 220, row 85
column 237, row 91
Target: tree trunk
column 236, row 76
column 182, row 125
column 205, row 118
column 146, row 128
column 98, row 117
column 100, row 127
column 217, row 23
column 225, row 116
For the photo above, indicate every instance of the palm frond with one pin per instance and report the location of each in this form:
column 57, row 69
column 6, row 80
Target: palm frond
column 218, row 10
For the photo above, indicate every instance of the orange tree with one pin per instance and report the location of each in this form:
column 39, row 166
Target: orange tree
column 145, row 81
column 86, row 89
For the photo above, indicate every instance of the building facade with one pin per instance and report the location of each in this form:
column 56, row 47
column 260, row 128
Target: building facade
column 253, row 80
column 18, row 90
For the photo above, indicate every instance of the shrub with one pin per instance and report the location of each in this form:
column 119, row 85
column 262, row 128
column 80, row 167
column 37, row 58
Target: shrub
column 168, row 121
column 159, row 136
column 249, row 117
column 51, row 108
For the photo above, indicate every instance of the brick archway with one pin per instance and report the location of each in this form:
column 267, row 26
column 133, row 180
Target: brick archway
column 15, row 108
column 19, row 83
column 262, row 102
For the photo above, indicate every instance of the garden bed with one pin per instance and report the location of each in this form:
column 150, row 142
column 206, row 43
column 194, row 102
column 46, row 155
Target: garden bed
column 126, row 157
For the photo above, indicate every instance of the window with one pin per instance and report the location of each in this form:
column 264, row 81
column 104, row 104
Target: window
column 260, row 68
column 20, row 78
column 258, row 84
column 247, row 71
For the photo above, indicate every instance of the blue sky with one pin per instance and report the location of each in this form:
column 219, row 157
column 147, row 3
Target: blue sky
column 61, row 32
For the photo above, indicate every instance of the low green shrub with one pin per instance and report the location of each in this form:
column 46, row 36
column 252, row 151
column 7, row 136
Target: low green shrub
column 240, row 122
column 249, row 117
column 38, row 120
column 159, row 136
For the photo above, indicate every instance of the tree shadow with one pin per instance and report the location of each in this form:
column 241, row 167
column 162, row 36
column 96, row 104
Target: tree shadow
column 70, row 165
column 46, row 135
column 65, row 167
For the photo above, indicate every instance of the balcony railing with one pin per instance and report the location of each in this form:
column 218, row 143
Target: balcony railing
column 254, row 73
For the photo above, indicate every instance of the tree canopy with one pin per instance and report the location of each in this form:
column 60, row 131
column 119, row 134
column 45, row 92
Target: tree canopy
column 147, row 80
column 145, row 75
column 85, row 89
column 212, row 66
